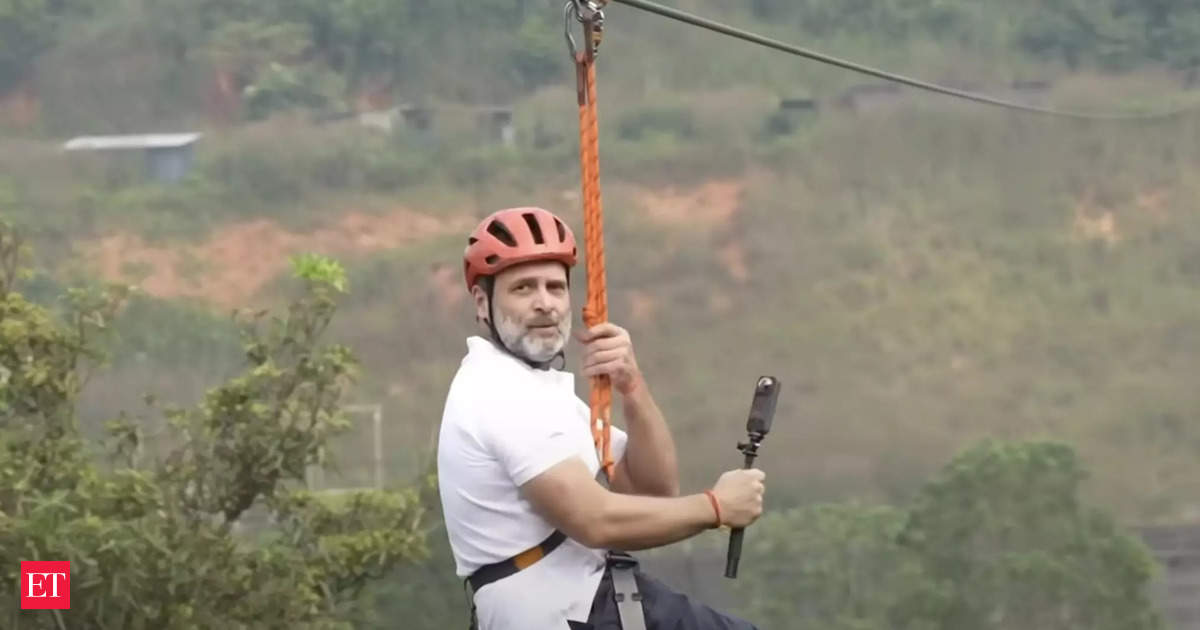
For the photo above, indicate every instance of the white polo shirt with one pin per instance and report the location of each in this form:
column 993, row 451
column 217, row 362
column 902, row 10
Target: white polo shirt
column 504, row 423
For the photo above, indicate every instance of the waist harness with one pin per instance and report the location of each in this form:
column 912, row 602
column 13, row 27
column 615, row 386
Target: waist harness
column 619, row 564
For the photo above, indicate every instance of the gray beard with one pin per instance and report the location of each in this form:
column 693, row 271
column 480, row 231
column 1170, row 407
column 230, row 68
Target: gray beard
column 536, row 349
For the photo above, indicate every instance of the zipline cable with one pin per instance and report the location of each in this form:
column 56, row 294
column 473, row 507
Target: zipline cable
column 712, row 25
column 590, row 14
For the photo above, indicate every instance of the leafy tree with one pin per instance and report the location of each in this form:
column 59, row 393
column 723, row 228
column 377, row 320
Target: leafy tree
column 1117, row 34
column 30, row 27
column 826, row 567
column 356, row 38
column 1005, row 542
column 427, row 595
column 156, row 544
column 26, row 29
column 998, row 540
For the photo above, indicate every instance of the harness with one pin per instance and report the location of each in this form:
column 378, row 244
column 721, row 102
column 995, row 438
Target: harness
column 498, row 571
column 619, row 565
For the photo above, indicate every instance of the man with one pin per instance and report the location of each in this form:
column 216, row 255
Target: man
column 529, row 524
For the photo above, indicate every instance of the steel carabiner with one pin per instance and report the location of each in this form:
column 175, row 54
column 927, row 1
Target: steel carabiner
column 590, row 13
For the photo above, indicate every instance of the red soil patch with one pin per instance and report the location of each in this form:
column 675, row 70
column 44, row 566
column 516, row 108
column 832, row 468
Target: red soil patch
column 713, row 203
column 239, row 260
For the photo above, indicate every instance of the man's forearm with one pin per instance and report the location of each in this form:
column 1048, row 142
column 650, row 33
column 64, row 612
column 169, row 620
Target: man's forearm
column 568, row 496
column 632, row 523
column 650, row 457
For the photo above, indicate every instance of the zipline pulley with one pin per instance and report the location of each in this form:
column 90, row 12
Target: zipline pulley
column 590, row 13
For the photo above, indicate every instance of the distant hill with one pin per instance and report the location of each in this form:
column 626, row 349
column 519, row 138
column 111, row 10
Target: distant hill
column 918, row 273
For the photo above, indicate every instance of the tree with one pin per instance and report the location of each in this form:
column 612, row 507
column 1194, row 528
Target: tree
column 826, row 567
column 155, row 544
column 1004, row 542
column 357, row 38
column 26, row 29
column 1117, row 34
column 29, row 28
column 999, row 540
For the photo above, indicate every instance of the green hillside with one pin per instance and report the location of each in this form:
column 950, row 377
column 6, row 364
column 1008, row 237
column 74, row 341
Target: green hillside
column 919, row 274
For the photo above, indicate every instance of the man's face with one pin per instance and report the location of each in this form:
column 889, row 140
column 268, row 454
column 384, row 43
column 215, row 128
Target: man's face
column 532, row 309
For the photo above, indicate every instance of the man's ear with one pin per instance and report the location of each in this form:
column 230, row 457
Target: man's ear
column 481, row 302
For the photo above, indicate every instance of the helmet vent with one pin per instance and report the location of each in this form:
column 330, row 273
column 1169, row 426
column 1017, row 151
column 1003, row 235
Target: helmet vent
column 472, row 240
column 562, row 230
column 498, row 230
column 491, row 260
column 536, row 229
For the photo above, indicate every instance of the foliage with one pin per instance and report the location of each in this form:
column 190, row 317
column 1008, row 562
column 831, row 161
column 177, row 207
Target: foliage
column 924, row 275
column 156, row 544
column 670, row 121
column 268, row 60
column 427, row 595
column 889, row 19
column 1006, row 542
column 27, row 28
column 1118, row 34
column 826, row 567
column 279, row 55
column 1000, row 539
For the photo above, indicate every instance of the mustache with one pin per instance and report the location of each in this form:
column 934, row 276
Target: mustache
column 544, row 322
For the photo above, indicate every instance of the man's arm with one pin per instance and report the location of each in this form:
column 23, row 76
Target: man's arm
column 650, row 465
column 571, row 499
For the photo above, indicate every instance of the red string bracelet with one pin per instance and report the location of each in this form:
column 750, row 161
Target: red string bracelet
column 712, row 498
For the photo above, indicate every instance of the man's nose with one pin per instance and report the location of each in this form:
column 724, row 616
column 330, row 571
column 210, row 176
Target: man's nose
column 541, row 299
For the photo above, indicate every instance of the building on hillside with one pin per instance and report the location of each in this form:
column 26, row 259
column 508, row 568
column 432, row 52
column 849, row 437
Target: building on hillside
column 168, row 156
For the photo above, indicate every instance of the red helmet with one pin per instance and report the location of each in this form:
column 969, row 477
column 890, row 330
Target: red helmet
column 516, row 235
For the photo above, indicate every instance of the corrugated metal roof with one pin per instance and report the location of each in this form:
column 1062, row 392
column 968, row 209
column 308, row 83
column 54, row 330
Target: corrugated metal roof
column 133, row 141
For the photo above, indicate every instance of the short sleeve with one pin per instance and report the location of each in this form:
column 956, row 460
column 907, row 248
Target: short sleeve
column 528, row 444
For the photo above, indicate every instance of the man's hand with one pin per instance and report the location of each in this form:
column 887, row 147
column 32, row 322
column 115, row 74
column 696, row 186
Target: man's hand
column 608, row 351
column 740, row 495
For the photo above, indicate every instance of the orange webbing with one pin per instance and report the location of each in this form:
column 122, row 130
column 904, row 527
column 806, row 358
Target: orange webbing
column 595, row 311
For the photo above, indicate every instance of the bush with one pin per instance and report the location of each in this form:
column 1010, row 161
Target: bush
column 155, row 544
column 998, row 539
column 826, row 567
column 1005, row 542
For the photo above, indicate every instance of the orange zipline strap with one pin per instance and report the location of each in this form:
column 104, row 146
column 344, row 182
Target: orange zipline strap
column 595, row 310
